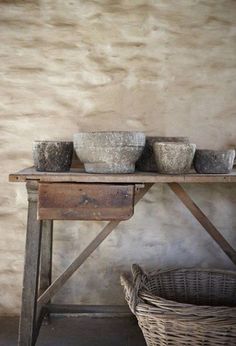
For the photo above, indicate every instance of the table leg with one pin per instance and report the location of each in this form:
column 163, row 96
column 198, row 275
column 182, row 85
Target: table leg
column 31, row 270
column 46, row 255
column 46, row 259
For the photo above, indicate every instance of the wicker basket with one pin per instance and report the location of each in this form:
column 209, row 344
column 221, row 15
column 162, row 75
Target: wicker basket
column 190, row 307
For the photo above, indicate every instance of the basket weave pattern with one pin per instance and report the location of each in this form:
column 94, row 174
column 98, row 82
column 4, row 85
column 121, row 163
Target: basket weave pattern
column 189, row 307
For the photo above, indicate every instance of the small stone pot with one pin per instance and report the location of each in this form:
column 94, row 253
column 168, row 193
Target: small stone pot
column 52, row 156
column 174, row 157
column 109, row 152
column 147, row 162
column 214, row 161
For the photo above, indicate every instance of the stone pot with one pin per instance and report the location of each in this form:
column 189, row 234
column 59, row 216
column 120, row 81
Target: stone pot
column 214, row 161
column 52, row 156
column 147, row 162
column 174, row 157
column 109, row 152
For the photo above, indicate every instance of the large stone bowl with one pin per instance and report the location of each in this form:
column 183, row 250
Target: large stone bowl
column 52, row 156
column 109, row 152
column 174, row 157
column 214, row 161
column 147, row 161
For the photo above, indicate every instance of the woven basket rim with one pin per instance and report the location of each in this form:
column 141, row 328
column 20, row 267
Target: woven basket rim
column 189, row 319
column 158, row 302
column 193, row 269
column 176, row 303
column 190, row 269
column 166, row 321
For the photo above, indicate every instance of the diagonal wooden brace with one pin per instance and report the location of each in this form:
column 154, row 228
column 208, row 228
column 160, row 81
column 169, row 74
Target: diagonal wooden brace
column 204, row 221
column 62, row 279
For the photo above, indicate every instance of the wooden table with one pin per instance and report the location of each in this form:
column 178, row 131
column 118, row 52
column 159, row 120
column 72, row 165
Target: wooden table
column 77, row 195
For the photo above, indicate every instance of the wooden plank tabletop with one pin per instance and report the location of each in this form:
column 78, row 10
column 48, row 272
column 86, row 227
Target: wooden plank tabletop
column 79, row 176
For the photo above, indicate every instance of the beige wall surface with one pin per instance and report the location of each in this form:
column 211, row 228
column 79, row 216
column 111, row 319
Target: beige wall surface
column 162, row 66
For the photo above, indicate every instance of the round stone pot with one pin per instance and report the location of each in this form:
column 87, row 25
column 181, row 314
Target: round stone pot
column 109, row 152
column 147, row 162
column 214, row 161
column 52, row 156
column 174, row 157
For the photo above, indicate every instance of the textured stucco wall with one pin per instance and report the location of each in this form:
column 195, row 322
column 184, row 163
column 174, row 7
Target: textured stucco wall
column 166, row 67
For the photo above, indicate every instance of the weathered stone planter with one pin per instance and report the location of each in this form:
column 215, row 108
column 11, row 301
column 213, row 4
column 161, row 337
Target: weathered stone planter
column 173, row 157
column 214, row 161
column 147, row 162
column 52, row 156
column 109, row 152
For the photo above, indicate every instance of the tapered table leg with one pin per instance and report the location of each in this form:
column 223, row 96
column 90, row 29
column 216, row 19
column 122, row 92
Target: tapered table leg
column 31, row 270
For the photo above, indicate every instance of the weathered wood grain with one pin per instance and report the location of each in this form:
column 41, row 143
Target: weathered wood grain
column 46, row 255
column 45, row 274
column 62, row 279
column 85, row 201
column 31, row 270
column 79, row 176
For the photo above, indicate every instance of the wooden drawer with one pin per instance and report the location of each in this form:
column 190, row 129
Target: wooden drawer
column 71, row 201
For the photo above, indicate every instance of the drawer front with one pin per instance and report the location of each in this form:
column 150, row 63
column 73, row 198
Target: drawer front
column 70, row 201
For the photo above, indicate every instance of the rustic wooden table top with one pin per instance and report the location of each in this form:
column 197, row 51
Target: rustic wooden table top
column 79, row 176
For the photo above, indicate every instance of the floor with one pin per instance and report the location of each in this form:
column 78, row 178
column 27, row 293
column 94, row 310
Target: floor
column 80, row 331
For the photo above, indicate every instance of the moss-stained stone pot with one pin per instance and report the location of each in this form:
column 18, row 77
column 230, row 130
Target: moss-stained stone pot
column 109, row 152
column 52, row 156
column 174, row 157
column 214, row 161
column 147, row 162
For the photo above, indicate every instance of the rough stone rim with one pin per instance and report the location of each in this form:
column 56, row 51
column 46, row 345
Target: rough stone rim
column 175, row 143
column 108, row 132
column 107, row 146
column 108, row 139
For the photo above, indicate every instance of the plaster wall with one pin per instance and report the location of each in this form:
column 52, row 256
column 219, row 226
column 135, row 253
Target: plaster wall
column 165, row 67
